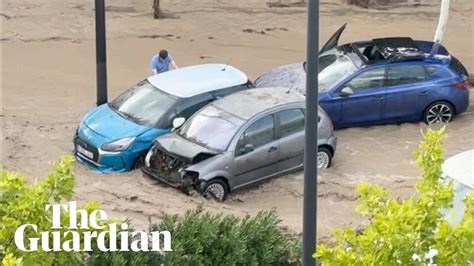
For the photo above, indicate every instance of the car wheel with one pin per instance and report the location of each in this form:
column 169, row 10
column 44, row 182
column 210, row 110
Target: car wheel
column 216, row 189
column 139, row 162
column 324, row 158
column 438, row 112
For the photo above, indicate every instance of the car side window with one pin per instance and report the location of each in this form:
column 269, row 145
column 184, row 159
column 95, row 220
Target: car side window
column 373, row 78
column 401, row 75
column 258, row 134
column 291, row 121
column 187, row 108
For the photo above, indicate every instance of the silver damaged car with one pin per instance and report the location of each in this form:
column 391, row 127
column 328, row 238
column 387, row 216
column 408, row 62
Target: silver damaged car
column 237, row 141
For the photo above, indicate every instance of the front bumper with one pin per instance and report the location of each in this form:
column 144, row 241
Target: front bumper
column 181, row 181
column 176, row 182
column 165, row 169
column 103, row 161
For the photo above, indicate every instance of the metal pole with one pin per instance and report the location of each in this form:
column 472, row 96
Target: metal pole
column 311, row 133
column 100, row 47
column 441, row 28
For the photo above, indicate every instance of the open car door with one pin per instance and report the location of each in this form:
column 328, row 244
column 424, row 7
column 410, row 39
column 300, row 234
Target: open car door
column 332, row 42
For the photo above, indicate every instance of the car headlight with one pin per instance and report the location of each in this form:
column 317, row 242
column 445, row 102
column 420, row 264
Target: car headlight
column 118, row 145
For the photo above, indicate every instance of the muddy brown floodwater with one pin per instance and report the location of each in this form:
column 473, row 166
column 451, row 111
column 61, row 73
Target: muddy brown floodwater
column 48, row 83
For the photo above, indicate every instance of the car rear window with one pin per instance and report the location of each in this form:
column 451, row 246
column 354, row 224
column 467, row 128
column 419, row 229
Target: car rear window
column 291, row 121
column 430, row 70
column 456, row 65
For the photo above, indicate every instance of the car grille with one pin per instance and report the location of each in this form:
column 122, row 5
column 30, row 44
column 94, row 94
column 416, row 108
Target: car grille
column 166, row 166
column 88, row 147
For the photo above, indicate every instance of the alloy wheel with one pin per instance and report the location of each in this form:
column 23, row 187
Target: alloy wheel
column 215, row 190
column 323, row 160
column 439, row 113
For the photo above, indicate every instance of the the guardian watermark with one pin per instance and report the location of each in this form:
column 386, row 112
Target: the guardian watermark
column 88, row 233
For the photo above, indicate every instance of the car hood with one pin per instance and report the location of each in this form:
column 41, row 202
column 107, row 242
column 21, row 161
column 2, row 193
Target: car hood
column 292, row 76
column 107, row 123
column 183, row 148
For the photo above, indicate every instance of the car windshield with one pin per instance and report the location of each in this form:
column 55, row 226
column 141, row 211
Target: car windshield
column 334, row 66
column 143, row 104
column 212, row 127
column 342, row 67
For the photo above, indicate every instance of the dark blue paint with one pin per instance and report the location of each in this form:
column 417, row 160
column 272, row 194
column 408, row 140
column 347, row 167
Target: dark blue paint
column 395, row 104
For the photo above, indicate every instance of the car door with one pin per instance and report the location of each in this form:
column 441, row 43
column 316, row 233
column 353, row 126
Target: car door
column 407, row 87
column 364, row 103
column 256, row 153
column 290, row 131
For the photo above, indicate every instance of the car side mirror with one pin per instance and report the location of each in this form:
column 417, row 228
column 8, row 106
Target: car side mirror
column 247, row 148
column 347, row 91
column 178, row 122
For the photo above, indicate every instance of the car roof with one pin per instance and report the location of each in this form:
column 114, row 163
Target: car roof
column 398, row 49
column 248, row 103
column 460, row 167
column 197, row 79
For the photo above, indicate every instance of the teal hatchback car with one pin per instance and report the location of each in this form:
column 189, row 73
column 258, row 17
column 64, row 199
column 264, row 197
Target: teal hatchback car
column 115, row 137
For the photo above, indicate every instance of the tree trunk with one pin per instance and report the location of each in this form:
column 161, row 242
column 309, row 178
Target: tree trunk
column 156, row 9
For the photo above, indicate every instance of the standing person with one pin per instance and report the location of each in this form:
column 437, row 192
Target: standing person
column 160, row 62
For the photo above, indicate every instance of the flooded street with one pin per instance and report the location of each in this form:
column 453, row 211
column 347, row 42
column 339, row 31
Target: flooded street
column 48, row 84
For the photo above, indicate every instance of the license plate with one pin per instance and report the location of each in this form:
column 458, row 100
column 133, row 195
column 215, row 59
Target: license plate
column 147, row 159
column 84, row 152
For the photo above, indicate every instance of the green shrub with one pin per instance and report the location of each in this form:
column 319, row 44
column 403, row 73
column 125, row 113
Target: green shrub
column 404, row 231
column 24, row 204
column 198, row 238
column 201, row 238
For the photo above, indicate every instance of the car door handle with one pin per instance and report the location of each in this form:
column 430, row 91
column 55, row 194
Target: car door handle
column 272, row 149
column 379, row 98
column 423, row 93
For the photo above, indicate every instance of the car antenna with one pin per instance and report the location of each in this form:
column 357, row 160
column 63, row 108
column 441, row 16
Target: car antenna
column 227, row 64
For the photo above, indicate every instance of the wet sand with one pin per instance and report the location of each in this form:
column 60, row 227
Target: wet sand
column 48, row 83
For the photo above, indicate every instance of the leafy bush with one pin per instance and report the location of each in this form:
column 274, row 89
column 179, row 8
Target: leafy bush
column 198, row 238
column 24, row 204
column 201, row 238
column 410, row 231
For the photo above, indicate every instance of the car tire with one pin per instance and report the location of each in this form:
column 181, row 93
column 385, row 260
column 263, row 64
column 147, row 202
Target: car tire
column 139, row 162
column 324, row 158
column 438, row 112
column 217, row 189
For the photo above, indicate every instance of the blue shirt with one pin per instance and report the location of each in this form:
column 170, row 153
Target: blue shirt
column 161, row 65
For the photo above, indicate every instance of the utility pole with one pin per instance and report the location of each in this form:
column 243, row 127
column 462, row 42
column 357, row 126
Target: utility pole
column 311, row 133
column 101, row 59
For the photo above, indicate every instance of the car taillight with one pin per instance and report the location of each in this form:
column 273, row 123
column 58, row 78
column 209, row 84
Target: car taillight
column 464, row 85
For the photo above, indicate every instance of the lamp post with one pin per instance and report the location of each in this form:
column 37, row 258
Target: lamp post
column 311, row 133
column 101, row 59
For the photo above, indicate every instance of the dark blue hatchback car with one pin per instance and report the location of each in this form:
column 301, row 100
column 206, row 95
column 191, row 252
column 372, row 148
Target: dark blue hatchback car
column 386, row 80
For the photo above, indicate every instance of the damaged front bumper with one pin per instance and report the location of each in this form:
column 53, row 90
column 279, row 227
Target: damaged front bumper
column 169, row 170
column 175, row 182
